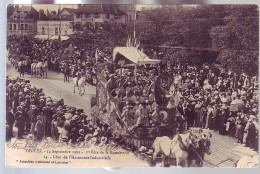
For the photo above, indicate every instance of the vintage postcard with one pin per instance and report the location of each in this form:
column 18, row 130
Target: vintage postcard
column 129, row 85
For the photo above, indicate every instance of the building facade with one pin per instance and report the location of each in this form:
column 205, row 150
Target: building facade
column 130, row 10
column 23, row 21
column 51, row 28
column 55, row 24
column 98, row 13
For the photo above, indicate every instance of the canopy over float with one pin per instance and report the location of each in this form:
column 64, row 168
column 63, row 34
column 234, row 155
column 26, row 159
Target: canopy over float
column 131, row 56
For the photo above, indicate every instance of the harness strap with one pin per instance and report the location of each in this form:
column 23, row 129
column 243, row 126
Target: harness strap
column 198, row 155
column 182, row 146
column 171, row 145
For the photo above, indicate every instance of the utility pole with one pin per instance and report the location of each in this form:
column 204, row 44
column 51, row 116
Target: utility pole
column 48, row 23
column 59, row 30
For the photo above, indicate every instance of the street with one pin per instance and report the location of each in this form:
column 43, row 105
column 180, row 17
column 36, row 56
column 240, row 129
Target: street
column 225, row 151
column 57, row 89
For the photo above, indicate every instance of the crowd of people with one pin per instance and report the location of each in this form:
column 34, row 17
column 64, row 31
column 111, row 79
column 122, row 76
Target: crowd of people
column 78, row 62
column 206, row 97
column 29, row 113
column 201, row 96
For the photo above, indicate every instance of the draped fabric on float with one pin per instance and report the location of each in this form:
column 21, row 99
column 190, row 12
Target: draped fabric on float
column 161, row 86
column 107, row 105
column 67, row 52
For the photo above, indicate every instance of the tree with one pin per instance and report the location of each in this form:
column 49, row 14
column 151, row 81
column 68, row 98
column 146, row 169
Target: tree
column 237, row 40
column 184, row 27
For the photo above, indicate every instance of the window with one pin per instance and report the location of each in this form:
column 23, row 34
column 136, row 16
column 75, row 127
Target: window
column 108, row 16
column 77, row 26
column 22, row 15
column 10, row 26
column 78, row 16
column 96, row 15
column 21, row 26
column 56, row 30
column 26, row 26
column 117, row 16
column 14, row 26
column 43, row 31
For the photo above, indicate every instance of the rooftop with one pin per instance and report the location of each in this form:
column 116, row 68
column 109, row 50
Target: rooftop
column 104, row 8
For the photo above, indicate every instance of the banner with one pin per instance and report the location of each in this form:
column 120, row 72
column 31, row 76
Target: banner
column 67, row 52
column 108, row 107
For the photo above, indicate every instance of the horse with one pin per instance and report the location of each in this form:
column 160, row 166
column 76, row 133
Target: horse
column 80, row 83
column 203, row 146
column 42, row 68
column 176, row 148
column 66, row 73
column 33, row 69
column 21, row 67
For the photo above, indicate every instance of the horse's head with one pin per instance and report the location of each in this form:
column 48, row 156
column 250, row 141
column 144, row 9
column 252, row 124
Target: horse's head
column 188, row 139
column 84, row 79
column 204, row 141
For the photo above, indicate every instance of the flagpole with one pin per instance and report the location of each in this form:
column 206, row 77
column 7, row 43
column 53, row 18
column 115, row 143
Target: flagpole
column 59, row 30
column 135, row 22
column 48, row 24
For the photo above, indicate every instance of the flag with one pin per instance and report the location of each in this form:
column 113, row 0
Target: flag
column 128, row 42
column 67, row 52
column 138, row 44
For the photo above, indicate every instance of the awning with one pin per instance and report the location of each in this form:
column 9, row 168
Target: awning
column 41, row 36
column 61, row 37
column 133, row 55
column 51, row 37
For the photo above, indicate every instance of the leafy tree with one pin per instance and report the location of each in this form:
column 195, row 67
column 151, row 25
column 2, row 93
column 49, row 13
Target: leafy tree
column 237, row 39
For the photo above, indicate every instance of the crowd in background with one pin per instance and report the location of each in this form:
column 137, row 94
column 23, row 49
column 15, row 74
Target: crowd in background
column 207, row 97
column 77, row 61
column 201, row 96
column 29, row 113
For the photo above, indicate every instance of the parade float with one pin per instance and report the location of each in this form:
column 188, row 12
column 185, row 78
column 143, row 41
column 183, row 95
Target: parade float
column 105, row 108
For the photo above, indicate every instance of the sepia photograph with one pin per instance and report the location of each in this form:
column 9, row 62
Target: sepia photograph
column 132, row 85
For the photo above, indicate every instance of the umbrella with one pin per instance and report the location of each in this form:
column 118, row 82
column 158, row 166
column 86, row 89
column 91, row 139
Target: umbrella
column 237, row 101
column 237, row 105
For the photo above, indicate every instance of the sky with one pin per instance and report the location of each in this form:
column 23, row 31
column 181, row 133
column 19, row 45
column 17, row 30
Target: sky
column 56, row 7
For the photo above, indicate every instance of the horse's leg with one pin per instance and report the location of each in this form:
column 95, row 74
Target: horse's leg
column 79, row 88
column 163, row 163
column 74, row 88
column 177, row 162
column 186, row 163
column 83, row 89
column 155, row 153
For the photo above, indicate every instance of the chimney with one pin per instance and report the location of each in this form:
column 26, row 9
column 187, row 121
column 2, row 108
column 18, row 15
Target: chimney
column 16, row 7
column 41, row 14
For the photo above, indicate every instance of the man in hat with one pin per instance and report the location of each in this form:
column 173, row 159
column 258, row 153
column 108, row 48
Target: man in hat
column 10, row 121
column 251, row 132
column 47, row 114
column 20, row 121
column 32, row 117
column 39, row 129
column 190, row 115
